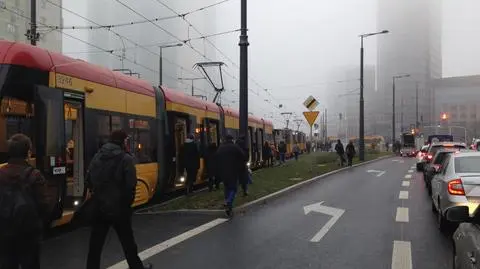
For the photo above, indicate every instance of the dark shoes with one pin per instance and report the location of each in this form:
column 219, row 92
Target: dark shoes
column 148, row 266
column 229, row 211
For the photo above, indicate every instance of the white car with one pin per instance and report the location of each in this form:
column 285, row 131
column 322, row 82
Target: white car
column 457, row 183
column 420, row 158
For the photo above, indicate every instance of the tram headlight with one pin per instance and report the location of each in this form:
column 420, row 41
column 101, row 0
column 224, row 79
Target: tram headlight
column 248, row 164
column 182, row 179
column 76, row 203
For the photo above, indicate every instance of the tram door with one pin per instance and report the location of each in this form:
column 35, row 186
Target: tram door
column 180, row 135
column 73, row 115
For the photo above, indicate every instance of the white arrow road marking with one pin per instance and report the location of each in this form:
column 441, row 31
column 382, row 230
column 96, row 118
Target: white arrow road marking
column 405, row 183
column 402, row 255
column 408, row 176
column 336, row 213
column 410, row 171
column 379, row 173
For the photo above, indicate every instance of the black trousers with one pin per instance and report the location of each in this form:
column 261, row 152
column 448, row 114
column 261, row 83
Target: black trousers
column 23, row 251
column 123, row 228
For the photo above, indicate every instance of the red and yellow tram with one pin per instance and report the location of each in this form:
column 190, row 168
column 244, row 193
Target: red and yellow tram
column 68, row 107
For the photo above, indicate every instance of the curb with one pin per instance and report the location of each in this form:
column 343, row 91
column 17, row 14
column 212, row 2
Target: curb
column 263, row 200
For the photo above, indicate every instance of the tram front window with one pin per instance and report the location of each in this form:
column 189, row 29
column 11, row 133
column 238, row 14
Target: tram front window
column 16, row 116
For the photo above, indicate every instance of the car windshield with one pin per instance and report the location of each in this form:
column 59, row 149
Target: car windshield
column 467, row 164
column 436, row 148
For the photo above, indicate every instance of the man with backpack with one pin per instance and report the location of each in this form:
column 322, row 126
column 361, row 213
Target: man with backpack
column 24, row 207
column 111, row 180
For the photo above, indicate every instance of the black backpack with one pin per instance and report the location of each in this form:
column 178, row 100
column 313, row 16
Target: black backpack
column 108, row 194
column 18, row 211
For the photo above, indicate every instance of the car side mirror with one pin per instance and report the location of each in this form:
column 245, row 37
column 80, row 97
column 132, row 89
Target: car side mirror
column 458, row 214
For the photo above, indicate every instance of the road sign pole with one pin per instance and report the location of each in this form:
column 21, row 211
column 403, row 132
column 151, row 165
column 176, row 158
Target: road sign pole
column 311, row 133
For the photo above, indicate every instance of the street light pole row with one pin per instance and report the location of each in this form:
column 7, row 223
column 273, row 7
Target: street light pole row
column 393, row 103
column 361, row 146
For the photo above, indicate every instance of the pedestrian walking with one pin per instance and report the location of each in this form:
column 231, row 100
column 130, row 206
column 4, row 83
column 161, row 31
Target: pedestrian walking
column 191, row 161
column 244, row 178
column 340, row 151
column 230, row 160
column 282, row 150
column 267, row 154
column 350, row 150
column 25, row 207
column 111, row 181
column 211, row 167
column 296, row 151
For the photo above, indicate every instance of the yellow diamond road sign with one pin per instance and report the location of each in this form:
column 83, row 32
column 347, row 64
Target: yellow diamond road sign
column 311, row 103
column 311, row 116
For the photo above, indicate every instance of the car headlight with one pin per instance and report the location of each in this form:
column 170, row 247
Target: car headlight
column 248, row 164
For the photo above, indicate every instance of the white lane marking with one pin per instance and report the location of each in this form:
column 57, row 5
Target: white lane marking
column 405, row 183
column 403, row 195
column 402, row 255
column 171, row 242
column 410, row 171
column 336, row 213
column 408, row 176
column 402, row 214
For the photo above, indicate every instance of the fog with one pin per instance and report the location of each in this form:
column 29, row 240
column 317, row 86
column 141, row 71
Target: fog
column 295, row 45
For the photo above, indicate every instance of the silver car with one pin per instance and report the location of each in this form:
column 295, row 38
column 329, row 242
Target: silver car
column 457, row 183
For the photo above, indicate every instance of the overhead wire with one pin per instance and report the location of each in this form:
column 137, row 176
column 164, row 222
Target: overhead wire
column 28, row 19
column 217, row 49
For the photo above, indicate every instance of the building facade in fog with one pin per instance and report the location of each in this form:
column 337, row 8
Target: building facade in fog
column 343, row 102
column 148, row 38
column 412, row 47
column 459, row 99
column 14, row 22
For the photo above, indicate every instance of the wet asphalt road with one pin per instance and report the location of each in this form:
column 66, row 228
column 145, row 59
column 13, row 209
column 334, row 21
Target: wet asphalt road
column 278, row 234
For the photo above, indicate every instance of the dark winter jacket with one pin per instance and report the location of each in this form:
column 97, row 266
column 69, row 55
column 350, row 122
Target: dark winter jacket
column 230, row 161
column 111, row 159
column 210, row 158
column 282, row 148
column 240, row 143
column 266, row 152
column 191, row 156
column 350, row 150
column 339, row 149
column 36, row 186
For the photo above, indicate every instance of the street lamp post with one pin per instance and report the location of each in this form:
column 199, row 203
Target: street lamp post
column 393, row 104
column 361, row 146
column 243, row 72
column 160, row 63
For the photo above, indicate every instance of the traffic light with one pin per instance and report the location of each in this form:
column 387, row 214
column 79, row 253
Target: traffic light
column 444, row 116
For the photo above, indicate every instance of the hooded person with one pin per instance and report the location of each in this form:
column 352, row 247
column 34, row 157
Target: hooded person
column 230, row 163
column 111, row 180
column 191, row 161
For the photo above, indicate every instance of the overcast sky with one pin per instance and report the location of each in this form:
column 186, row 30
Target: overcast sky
column 298, row 42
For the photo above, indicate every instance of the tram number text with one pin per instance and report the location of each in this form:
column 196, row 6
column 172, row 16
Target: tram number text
column 64, row 81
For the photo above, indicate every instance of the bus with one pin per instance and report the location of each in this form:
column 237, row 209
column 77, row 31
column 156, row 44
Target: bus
column 69, row 107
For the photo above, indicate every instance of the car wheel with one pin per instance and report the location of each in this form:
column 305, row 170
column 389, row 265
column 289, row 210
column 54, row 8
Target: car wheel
column 442, row 223
column 429, row 189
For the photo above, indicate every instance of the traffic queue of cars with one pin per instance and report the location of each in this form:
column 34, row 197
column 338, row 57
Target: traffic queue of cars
column 452, row 178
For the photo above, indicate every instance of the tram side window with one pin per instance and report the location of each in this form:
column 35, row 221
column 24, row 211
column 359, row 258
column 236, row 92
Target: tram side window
column 16, row 116
column 141, row 145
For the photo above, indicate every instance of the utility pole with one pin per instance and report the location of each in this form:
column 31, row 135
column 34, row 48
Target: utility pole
column 160, row 62
column 417, row 123
column 32, row 35
column 401, row 117
column 287, row 116
column 244, row 71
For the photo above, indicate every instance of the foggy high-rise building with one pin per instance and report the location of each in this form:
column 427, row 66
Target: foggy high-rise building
column 142, row 55
column 412, row 47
